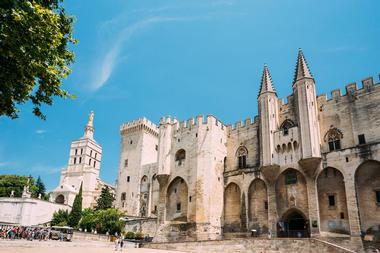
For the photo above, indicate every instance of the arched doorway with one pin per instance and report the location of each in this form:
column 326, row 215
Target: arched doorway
column 232, row 208
column 367, row 183
column 177, row 200
column 258, row 206
column 60, row 199
column 332, row 202
column 293, row 224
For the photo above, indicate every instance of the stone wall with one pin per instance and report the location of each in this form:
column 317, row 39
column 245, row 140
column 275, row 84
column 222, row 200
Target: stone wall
column 81, row 236
column 147, row 226
column 28, row 211
column 254, row 246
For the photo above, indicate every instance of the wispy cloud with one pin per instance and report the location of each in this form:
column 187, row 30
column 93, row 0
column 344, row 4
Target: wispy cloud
column 40, row 131
column 109, row 60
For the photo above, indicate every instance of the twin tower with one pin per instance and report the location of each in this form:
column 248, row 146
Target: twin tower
column 178, row 172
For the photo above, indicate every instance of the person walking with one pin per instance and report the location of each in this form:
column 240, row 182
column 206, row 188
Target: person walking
column 121, row 243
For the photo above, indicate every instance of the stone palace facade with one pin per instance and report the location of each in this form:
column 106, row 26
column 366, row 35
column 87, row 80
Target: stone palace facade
column 299, row 169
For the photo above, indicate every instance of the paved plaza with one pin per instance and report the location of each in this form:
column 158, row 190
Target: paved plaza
column 23, row 246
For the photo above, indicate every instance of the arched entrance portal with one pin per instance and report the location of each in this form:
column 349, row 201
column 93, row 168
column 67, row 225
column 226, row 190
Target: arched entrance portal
column 293, row 224
column 60, row 199
column 232, row 208
column 176, row 200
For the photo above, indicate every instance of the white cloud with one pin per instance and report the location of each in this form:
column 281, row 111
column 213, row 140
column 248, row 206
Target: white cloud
column 103, row 71
column 40, row 131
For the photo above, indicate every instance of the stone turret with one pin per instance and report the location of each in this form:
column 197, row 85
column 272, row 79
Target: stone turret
column 307, row 114
column 268, row 111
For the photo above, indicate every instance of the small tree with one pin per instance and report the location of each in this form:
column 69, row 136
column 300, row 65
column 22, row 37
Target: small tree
column 105, row 200
column 39, row 189
column 76, row 211
column 109, row 220
column 60, row 218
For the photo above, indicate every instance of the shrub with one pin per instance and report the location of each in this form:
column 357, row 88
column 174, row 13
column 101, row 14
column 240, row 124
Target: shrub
column 130, row 235
column 139, row 236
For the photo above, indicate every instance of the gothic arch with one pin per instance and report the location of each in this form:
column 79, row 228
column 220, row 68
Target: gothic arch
column 242, row 154
column 333, row 212
column 285, row 125
column 60, row 199
column 367, row 184
column 293, row 223
column 144, row 196
column 258, row 206
column 232, row 208
column 333, row 138
column 177, row 200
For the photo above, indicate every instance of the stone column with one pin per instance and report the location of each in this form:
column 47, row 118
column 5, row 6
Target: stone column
column 272, row 208
column 161, row 212
column 312, row 197
column 352, row 205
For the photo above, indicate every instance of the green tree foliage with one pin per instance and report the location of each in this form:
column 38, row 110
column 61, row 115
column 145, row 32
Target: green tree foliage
column 76, row 211
column 88, row 220
column 39, row 189
column 60, row 218
column 105, row 199
column 35, row 36
column 9, row 183
column 102, row 221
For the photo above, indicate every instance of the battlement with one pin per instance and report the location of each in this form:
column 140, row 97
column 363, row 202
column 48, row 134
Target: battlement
column 239, row 125
column 199, row 120
column 352, row 90
column 139, row 125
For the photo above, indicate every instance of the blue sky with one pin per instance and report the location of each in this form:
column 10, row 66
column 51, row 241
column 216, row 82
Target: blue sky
column 183, row 58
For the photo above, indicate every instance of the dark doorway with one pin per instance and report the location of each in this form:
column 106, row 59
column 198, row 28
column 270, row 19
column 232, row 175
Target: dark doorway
column 293, row 224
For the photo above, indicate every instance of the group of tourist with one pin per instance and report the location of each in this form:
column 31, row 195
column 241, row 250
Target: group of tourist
column 23, row 232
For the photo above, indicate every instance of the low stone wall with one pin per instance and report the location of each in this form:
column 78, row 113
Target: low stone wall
column 147, row 226
column 82, row 236
column 257, row 245
column 28, row 211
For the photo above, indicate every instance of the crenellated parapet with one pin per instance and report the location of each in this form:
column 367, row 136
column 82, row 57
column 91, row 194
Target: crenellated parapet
column 138, row 125
column 191, row 123
column 241, row 126
column 352, row 92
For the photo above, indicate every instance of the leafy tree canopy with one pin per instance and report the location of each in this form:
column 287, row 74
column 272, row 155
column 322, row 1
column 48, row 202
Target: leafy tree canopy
column 105, row 199
column 102, row 221
column 35, row 36
column 60, row 218
column 16, row 183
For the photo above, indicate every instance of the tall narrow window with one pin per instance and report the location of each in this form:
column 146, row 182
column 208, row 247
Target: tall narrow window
column 128, row 178
column 377, row 196
column 333, row 137
column 75, row 160
column 94, row 164
column 242, row 154
column 76, row 151
column 126, row 163
column 80, row 160
column 178, row 207
column 89, row 162
column 123, row 195
column 361, row 138
column 91, row 153
column 331, row 200
column 81, row 151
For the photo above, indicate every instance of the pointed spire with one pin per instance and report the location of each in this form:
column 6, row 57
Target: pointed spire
column 89, row 129
column 266, row 82
column 302, row 69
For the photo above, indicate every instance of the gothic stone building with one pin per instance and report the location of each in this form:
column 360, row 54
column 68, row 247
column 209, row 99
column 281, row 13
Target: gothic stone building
column 301, row 168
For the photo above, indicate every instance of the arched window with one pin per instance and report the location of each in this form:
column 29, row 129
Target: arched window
column 180, row 156
column 286, row 125
column 242, row 153
column 333, row 137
